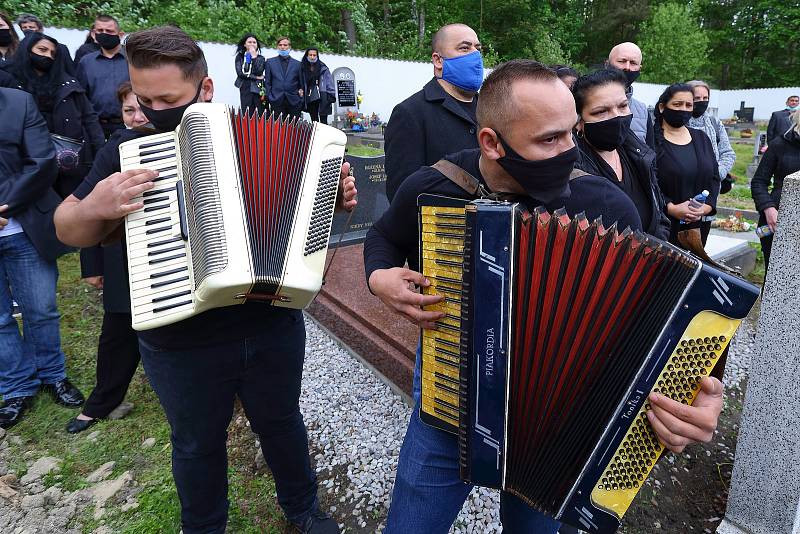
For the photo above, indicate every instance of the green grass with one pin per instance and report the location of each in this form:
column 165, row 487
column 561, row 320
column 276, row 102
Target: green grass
column 739, row 195
column 253, row 507
column 361, row 150
column 757, row 276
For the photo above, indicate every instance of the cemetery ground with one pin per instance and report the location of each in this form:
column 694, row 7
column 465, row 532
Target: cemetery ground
column 351, row 416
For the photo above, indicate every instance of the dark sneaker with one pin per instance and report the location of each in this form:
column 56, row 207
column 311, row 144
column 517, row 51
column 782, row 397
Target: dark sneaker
column 76, row 425
column 318, row 522
column 65, row 394
column 12, row 411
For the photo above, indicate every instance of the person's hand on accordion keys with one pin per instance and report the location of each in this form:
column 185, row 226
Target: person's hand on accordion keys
column 397, row 288
column 678, row 425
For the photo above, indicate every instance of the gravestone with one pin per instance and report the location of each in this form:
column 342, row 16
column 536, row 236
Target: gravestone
column 758, row 146
column 764, row 495
column 371, row 183
column 744, row 114
column 344, row 79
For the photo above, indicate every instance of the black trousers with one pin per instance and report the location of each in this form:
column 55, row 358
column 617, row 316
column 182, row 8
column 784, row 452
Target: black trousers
column 286, row 108
column 197, row 388
column 117, row 359
column 250, row 100
column 766, row 243
column 313, row 110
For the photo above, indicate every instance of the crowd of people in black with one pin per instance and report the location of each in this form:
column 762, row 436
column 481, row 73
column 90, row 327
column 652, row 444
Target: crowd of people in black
column 523, row 130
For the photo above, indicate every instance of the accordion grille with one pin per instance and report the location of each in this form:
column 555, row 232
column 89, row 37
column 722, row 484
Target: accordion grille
column 322, row 211
column 203, row 208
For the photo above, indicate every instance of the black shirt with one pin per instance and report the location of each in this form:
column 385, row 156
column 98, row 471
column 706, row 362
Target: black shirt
column 101, row 77
column 218, row 325
column 394, row 239
column 633, row 188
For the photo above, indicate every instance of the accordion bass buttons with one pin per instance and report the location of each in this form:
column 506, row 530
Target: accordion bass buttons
column 693, row 357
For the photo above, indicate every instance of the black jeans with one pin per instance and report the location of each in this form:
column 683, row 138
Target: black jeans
column 313, row 110
column 286, row 108
column 250, row 100
column 117, row 360
column 197, row 388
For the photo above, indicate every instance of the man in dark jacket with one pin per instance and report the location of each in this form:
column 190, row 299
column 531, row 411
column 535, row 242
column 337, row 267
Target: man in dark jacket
column 28, row 252
column 102, row 72
column 781, row 160
column 282, row 81
column 439, row 119
column 779, row 122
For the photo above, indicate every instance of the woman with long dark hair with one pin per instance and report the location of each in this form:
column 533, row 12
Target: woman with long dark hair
column 317, row 85
column 608, row 147
column 9, row 41
column 685, row 161
column 40, row 69
column 250, row 65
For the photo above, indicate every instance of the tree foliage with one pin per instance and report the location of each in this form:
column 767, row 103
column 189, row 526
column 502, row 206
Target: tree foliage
column 746, row 43
column 673, row 44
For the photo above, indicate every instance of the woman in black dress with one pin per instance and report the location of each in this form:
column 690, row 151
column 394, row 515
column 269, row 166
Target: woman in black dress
column 685, row 161
column 608, row 147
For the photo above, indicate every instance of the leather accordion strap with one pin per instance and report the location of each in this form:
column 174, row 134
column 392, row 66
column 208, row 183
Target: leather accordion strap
column 467, row 182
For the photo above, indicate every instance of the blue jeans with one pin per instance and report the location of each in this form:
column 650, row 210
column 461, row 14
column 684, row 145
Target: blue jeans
column 35, row 357
column 197, row 388
column 428, row 491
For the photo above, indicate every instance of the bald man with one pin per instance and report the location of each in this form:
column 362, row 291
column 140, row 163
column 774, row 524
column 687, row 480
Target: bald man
column 439, row 119
column 628, row 58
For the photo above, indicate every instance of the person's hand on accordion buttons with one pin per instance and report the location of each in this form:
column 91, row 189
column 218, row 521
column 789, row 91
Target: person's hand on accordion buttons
column 346, row 197
column 678, row 425
column 111, row 198
column 396, row 287
column 3, row 221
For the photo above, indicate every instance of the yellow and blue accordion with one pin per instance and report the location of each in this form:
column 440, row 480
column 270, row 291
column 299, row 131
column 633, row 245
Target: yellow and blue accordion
column 556, row 330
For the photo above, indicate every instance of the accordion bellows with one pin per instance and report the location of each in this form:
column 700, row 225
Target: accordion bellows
column 242, row 210
column 557, row 329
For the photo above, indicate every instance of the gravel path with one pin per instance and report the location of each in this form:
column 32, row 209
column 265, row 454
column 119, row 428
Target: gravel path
column 357, row 423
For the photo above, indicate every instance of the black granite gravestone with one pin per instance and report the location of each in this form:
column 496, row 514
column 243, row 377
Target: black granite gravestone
column 371, row 183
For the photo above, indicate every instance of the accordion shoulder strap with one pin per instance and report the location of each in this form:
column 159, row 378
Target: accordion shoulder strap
column 461, row 178
column 577, row 173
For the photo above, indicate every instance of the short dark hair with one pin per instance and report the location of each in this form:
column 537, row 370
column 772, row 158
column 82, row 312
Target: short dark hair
column 496, row 102
column 106, row 18
column 283, row 38
column 599, row 78
column 565, row 71
column 165, row 45
column 27, row 17
column 438, row 37
column 793, row 96
column 123, row 91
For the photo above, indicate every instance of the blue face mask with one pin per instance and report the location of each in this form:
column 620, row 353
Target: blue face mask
column 283, row 53
column 465, row 72
column 790, row 108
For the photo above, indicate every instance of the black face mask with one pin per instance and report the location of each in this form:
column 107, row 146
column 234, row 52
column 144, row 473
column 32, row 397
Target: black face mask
column 166, row 120
column 632, row 76
column 608, row 134
column 106, row 41
column 700, row 107
column 544, row 180
column 676, row 118
column 41, row 63
column 5, row 37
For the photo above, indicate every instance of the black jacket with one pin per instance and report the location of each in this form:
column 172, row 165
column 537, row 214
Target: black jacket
column 643, row 159
column 779, row 124
column 327, row 91
column 422, row 130
column 249, row 81
column 7, row 80
column 279, row 84
column 28, row 170
column 781, row 159
column 73, row 116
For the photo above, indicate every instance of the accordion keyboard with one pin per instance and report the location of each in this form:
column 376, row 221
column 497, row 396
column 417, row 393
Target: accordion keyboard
column 158, row 256
column 442, row 263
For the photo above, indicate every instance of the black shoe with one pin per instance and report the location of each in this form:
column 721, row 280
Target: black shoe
column 12, row 410
column 76, row 425
column 318, row 522
column 65, row 394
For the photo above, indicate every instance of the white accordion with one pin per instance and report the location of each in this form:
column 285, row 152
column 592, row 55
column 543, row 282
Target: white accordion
column 241, row 210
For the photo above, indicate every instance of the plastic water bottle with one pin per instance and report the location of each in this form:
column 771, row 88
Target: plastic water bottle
column 698, row 201
column 764, row 231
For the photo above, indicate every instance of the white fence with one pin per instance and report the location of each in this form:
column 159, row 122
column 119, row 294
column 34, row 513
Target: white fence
column 386, row 82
